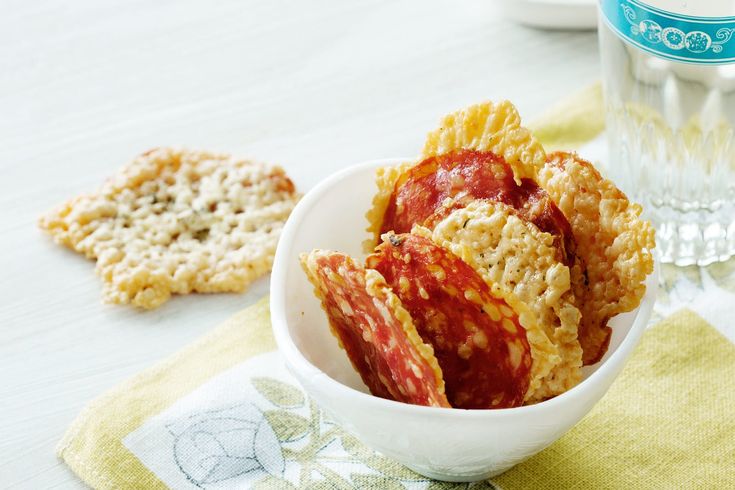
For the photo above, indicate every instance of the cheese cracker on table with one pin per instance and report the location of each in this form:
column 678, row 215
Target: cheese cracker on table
column 176, row 221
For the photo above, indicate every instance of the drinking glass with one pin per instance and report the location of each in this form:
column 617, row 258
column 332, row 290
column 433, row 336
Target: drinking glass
column 668, row 70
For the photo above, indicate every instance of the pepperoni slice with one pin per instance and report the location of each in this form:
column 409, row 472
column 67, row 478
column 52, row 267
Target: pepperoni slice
column 421, row 195
column 477, row 337
column 375, row 330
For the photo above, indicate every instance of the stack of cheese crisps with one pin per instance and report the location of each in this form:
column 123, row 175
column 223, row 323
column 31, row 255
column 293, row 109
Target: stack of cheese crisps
column 494, row 269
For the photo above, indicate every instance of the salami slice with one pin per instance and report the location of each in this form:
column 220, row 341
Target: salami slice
column 427, row 192
column 376, row 332
column 478, row 339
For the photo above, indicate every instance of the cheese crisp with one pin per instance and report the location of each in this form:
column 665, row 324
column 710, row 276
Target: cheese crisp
column 493, row 127
column 613, row 244
column 385, row 179
column 176, row 221
column 485, row 127
column 514, row 255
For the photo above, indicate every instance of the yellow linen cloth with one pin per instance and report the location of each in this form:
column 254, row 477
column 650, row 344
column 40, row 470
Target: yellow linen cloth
column 572, row 122
column 667, row 422
column 93, row 445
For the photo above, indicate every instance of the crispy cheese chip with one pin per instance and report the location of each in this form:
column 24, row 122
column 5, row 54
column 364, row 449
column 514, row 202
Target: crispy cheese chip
column 375, row 331
column 176, row 221
column 429, row 191
column 613, row 244
column 516, row 256
column 478, row 338
column 385, row 179
column 492, row 129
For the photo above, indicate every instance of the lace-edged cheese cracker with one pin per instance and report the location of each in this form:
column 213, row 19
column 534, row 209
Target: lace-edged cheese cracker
column 485, row 127
column 514, row 255
column 614, row 245
column 493, row 127
column 175, row 221
column 385, row 179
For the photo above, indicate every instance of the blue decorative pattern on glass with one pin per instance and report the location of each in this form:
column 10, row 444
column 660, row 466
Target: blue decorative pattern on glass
column 704, row 40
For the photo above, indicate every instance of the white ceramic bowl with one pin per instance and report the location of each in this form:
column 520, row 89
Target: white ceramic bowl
column 441, row 443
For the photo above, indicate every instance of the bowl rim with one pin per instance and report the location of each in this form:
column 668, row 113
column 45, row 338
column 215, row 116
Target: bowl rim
column 302, row 367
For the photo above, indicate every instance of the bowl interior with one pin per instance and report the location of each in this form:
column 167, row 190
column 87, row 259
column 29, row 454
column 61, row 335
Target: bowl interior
column 332, row 216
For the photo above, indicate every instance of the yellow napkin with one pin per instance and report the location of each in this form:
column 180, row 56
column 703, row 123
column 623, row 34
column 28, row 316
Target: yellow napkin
column 667, row 422
column 93, row 445
column 571, row 122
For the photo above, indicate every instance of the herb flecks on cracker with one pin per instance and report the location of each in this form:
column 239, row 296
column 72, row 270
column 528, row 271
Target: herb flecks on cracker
column 175, row 221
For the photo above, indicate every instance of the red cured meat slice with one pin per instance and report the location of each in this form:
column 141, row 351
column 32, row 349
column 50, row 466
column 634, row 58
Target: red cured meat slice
column 481, row 347
column 375, row 330
column 419, row 195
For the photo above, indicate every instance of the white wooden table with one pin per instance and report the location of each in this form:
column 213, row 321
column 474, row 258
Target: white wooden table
column 313, row 86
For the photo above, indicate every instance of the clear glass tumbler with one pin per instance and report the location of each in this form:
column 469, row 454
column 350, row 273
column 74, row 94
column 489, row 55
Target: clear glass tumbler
column 669, row 85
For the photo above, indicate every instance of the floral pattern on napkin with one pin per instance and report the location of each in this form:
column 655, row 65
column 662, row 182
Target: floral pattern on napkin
column 268, row 435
